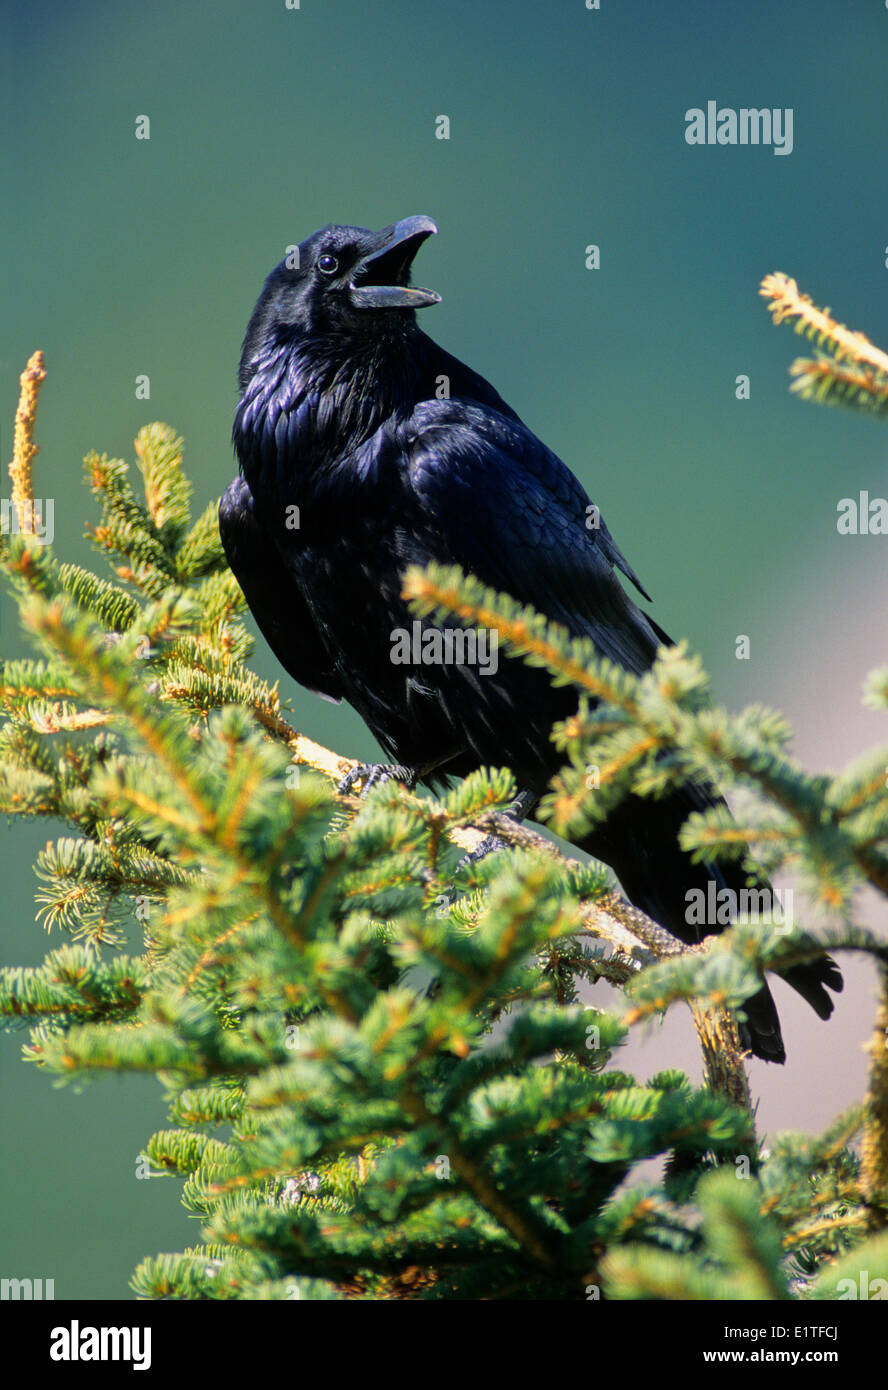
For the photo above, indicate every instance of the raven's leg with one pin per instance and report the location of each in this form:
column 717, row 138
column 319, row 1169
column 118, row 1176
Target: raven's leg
column 373, row 774
column 524, row 805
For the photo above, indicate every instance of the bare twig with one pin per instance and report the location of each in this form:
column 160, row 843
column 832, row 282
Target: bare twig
column 24, row 448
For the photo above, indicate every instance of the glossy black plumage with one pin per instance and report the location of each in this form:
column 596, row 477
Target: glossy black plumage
column 363, row 448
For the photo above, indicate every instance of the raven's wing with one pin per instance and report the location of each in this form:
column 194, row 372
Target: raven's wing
column 273, row 595
column 514, row 515
column 510, row 512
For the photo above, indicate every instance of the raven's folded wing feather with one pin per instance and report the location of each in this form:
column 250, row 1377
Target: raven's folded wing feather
column 273, row 595
column 515, row 516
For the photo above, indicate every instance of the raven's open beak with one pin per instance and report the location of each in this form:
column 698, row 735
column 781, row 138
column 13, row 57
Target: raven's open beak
column 380, row 280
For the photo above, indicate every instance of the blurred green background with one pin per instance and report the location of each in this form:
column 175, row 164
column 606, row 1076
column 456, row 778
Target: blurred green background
column 125, row 256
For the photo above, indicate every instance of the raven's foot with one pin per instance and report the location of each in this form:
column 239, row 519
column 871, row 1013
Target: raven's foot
column 374, row 774
column 523, row 805
column 489, row 845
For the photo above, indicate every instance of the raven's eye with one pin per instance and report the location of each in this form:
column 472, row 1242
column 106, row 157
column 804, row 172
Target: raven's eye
column 328, row 265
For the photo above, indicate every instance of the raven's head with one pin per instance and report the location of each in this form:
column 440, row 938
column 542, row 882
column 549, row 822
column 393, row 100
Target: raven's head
column 344, row 281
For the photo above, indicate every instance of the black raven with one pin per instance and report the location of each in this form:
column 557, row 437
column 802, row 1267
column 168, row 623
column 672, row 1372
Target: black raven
column 364, row 448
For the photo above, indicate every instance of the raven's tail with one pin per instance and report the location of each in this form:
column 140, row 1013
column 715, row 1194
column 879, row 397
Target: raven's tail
column 639, row 841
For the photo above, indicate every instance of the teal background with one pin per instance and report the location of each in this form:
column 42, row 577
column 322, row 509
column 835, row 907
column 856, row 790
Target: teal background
column 124, row 257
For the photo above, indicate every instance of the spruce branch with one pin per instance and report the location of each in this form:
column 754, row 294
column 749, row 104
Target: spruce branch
column 874, row 1149
column 850, row 370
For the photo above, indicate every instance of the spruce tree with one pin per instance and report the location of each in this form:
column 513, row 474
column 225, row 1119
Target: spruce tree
column 343, row 1127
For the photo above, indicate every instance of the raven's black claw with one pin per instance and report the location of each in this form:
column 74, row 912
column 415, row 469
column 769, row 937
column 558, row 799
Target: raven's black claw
column 373, row 774
column 524, row 805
